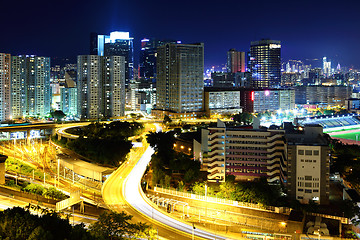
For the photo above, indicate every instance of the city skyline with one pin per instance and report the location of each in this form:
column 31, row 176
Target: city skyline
column 308, row 30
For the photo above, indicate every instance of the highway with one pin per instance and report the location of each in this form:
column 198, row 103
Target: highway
column 122, row 191
column 123, row 188
column 7, row 201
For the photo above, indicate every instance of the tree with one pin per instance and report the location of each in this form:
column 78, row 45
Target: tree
column 40, row 234
column 54, row 193
column 226, row 189
column 229, row 178
column 112, row 225
column 181, row 186
column 58, row 115
column 189, row 175
column 16, row 223
column 161, row 141
column 199, row 188
column 167, row 120
column 167, row 181
column 243, row 118
column 34, row 188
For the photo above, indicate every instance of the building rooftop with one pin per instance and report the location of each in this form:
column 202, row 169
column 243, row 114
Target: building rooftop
column 265, row 42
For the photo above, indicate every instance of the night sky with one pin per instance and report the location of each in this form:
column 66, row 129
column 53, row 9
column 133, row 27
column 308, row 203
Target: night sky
column 308, row 29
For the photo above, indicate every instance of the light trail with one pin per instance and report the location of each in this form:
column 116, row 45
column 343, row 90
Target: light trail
column 123, row 187
column 135, row 197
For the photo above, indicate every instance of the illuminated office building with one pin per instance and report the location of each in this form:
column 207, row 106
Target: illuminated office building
column 115, row 44
column 235, row 61
column 30, row 86
column 101, row 86
column 180, row 84
column 326, row 67
column 148, row 54
column 5, row 86
column 265, row 64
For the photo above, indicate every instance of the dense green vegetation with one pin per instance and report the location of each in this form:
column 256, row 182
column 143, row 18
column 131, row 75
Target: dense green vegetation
column 243, row 118
column 104, row 143
column 112, row 225
column 165, row 161
column 113, row 129
column 57, row 115
column 167, row 120
column 252, row 192
column 50, row 192
column 17, row 166
column 345, row 160
column 19, row 224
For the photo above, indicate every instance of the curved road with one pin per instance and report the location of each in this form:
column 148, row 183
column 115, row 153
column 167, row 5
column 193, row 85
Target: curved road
column 123, row 188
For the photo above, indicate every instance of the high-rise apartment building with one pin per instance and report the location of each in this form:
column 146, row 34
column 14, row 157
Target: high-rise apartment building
column 5, row 86
column 180, row 84
column 148, row 55
column 30, row 86
column 18, row 87
column 101, row 86
column 235, row 61
column 68, row 103
column 265, row 63
column 115, row 44
column 68, row 97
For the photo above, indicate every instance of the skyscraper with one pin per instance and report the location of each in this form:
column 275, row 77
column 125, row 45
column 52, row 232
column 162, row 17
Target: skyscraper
column 30, row 86
column 101, row 86
column 115, row 44
column 5, row 86
column 235, row 61
column 265, row 64
column 18, row 87
column 148, row 54
column 326, row 67
column 180, row 84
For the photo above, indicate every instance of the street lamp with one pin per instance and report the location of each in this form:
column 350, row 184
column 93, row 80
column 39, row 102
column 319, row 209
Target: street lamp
column 58, row 170
column 283, row 224
column 319, row 234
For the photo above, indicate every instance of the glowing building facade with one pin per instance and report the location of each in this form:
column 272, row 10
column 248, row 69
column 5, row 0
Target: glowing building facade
column 5, row 86
column 68, row 103
column 148, row 55
column 326, row 67
column 115, row 44
column 101, row 86
column 248, row 154
column 265, row 63
column 180, row 84
column 235, row 61
column 30, row 86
